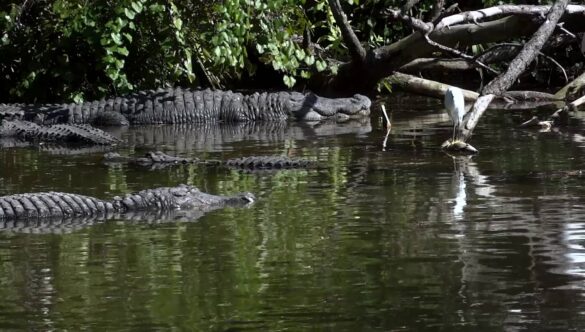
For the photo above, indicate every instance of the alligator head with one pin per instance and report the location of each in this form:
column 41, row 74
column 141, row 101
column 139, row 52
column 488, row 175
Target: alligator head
column 311, row 107
column 190, row 197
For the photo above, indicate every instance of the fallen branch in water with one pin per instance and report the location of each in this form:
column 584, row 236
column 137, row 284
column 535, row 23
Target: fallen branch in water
column 575, row 87
column 536, row 123
column 425, row 87
column 572, row 89
column 436, row 89
column 570, row 107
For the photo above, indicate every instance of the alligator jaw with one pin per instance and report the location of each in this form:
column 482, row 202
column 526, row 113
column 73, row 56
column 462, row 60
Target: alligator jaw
column 310, row 107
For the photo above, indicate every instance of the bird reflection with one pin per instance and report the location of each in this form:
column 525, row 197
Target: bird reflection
column 465, row 169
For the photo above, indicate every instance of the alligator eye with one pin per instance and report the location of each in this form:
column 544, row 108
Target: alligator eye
column 179, row 192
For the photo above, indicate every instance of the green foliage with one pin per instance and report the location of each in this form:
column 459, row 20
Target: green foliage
column 75, row 50
column 55, row 50
column 272, row 27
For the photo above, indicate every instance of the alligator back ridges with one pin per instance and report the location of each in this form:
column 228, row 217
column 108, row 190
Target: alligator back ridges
column 52, row 204
column 159, row 158
column 62, row 133
column 167, row 106
column 268, row 162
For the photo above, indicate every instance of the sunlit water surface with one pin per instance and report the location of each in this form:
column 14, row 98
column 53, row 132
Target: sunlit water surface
column 394, row 238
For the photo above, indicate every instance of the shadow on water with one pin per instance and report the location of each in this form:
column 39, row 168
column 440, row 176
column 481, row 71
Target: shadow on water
column 402, row 239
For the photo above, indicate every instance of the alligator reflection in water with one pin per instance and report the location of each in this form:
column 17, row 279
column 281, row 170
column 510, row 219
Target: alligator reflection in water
column 72, row 224
column 55, row 148
column 213, row 136
column 206, row 136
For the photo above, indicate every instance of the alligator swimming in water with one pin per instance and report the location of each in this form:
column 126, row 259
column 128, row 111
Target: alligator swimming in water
column 160, row 159
column 193, row 106
column 66, row 205
column 61, row 133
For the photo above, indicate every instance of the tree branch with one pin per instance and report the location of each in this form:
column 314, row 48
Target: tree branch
column 425, row 87
column 516, row 67
column 426, row 29
column 474, row 16
column 357, row 51
column 381, row 62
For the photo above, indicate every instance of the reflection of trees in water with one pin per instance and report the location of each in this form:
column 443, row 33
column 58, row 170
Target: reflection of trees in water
column 36, row 168
column 513, row 250
column 142, row 272
column 382, row 240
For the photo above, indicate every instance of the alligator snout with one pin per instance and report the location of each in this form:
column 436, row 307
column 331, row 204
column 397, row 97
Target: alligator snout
column 247, row 198
column 363, row 101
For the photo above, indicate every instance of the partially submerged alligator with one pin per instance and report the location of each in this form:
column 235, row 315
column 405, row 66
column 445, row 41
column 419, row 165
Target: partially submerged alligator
column 61, row 133
column 192, row 106
column 66, row 205
column 160, row 159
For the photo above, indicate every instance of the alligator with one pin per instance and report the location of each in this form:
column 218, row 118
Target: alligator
column 66, row 205
column 159, row 159
column 61, row 133
column 178, row 105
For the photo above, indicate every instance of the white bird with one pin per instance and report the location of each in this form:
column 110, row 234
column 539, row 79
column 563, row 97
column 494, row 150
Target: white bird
column 455, row 105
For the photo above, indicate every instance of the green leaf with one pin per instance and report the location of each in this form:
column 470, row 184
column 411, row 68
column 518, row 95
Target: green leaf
column 300, row 54
column 137, row 6
column 217, row 51
column 109, row 59
column 156, row 8
column 321, row 65
column 129, row 13
column 289, row 81
column 128, row 36
column 178, row 23
column 77, row 97
column 112, row 73
column 116, row 38
column 121, row 23
column 122, row 50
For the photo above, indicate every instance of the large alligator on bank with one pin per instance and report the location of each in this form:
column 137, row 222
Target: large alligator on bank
column 66, row 205
column 61, row 133
column 166, row 106
column 159, row 159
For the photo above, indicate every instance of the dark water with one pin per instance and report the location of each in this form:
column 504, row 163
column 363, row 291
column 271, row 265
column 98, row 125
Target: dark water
column 397, row 239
